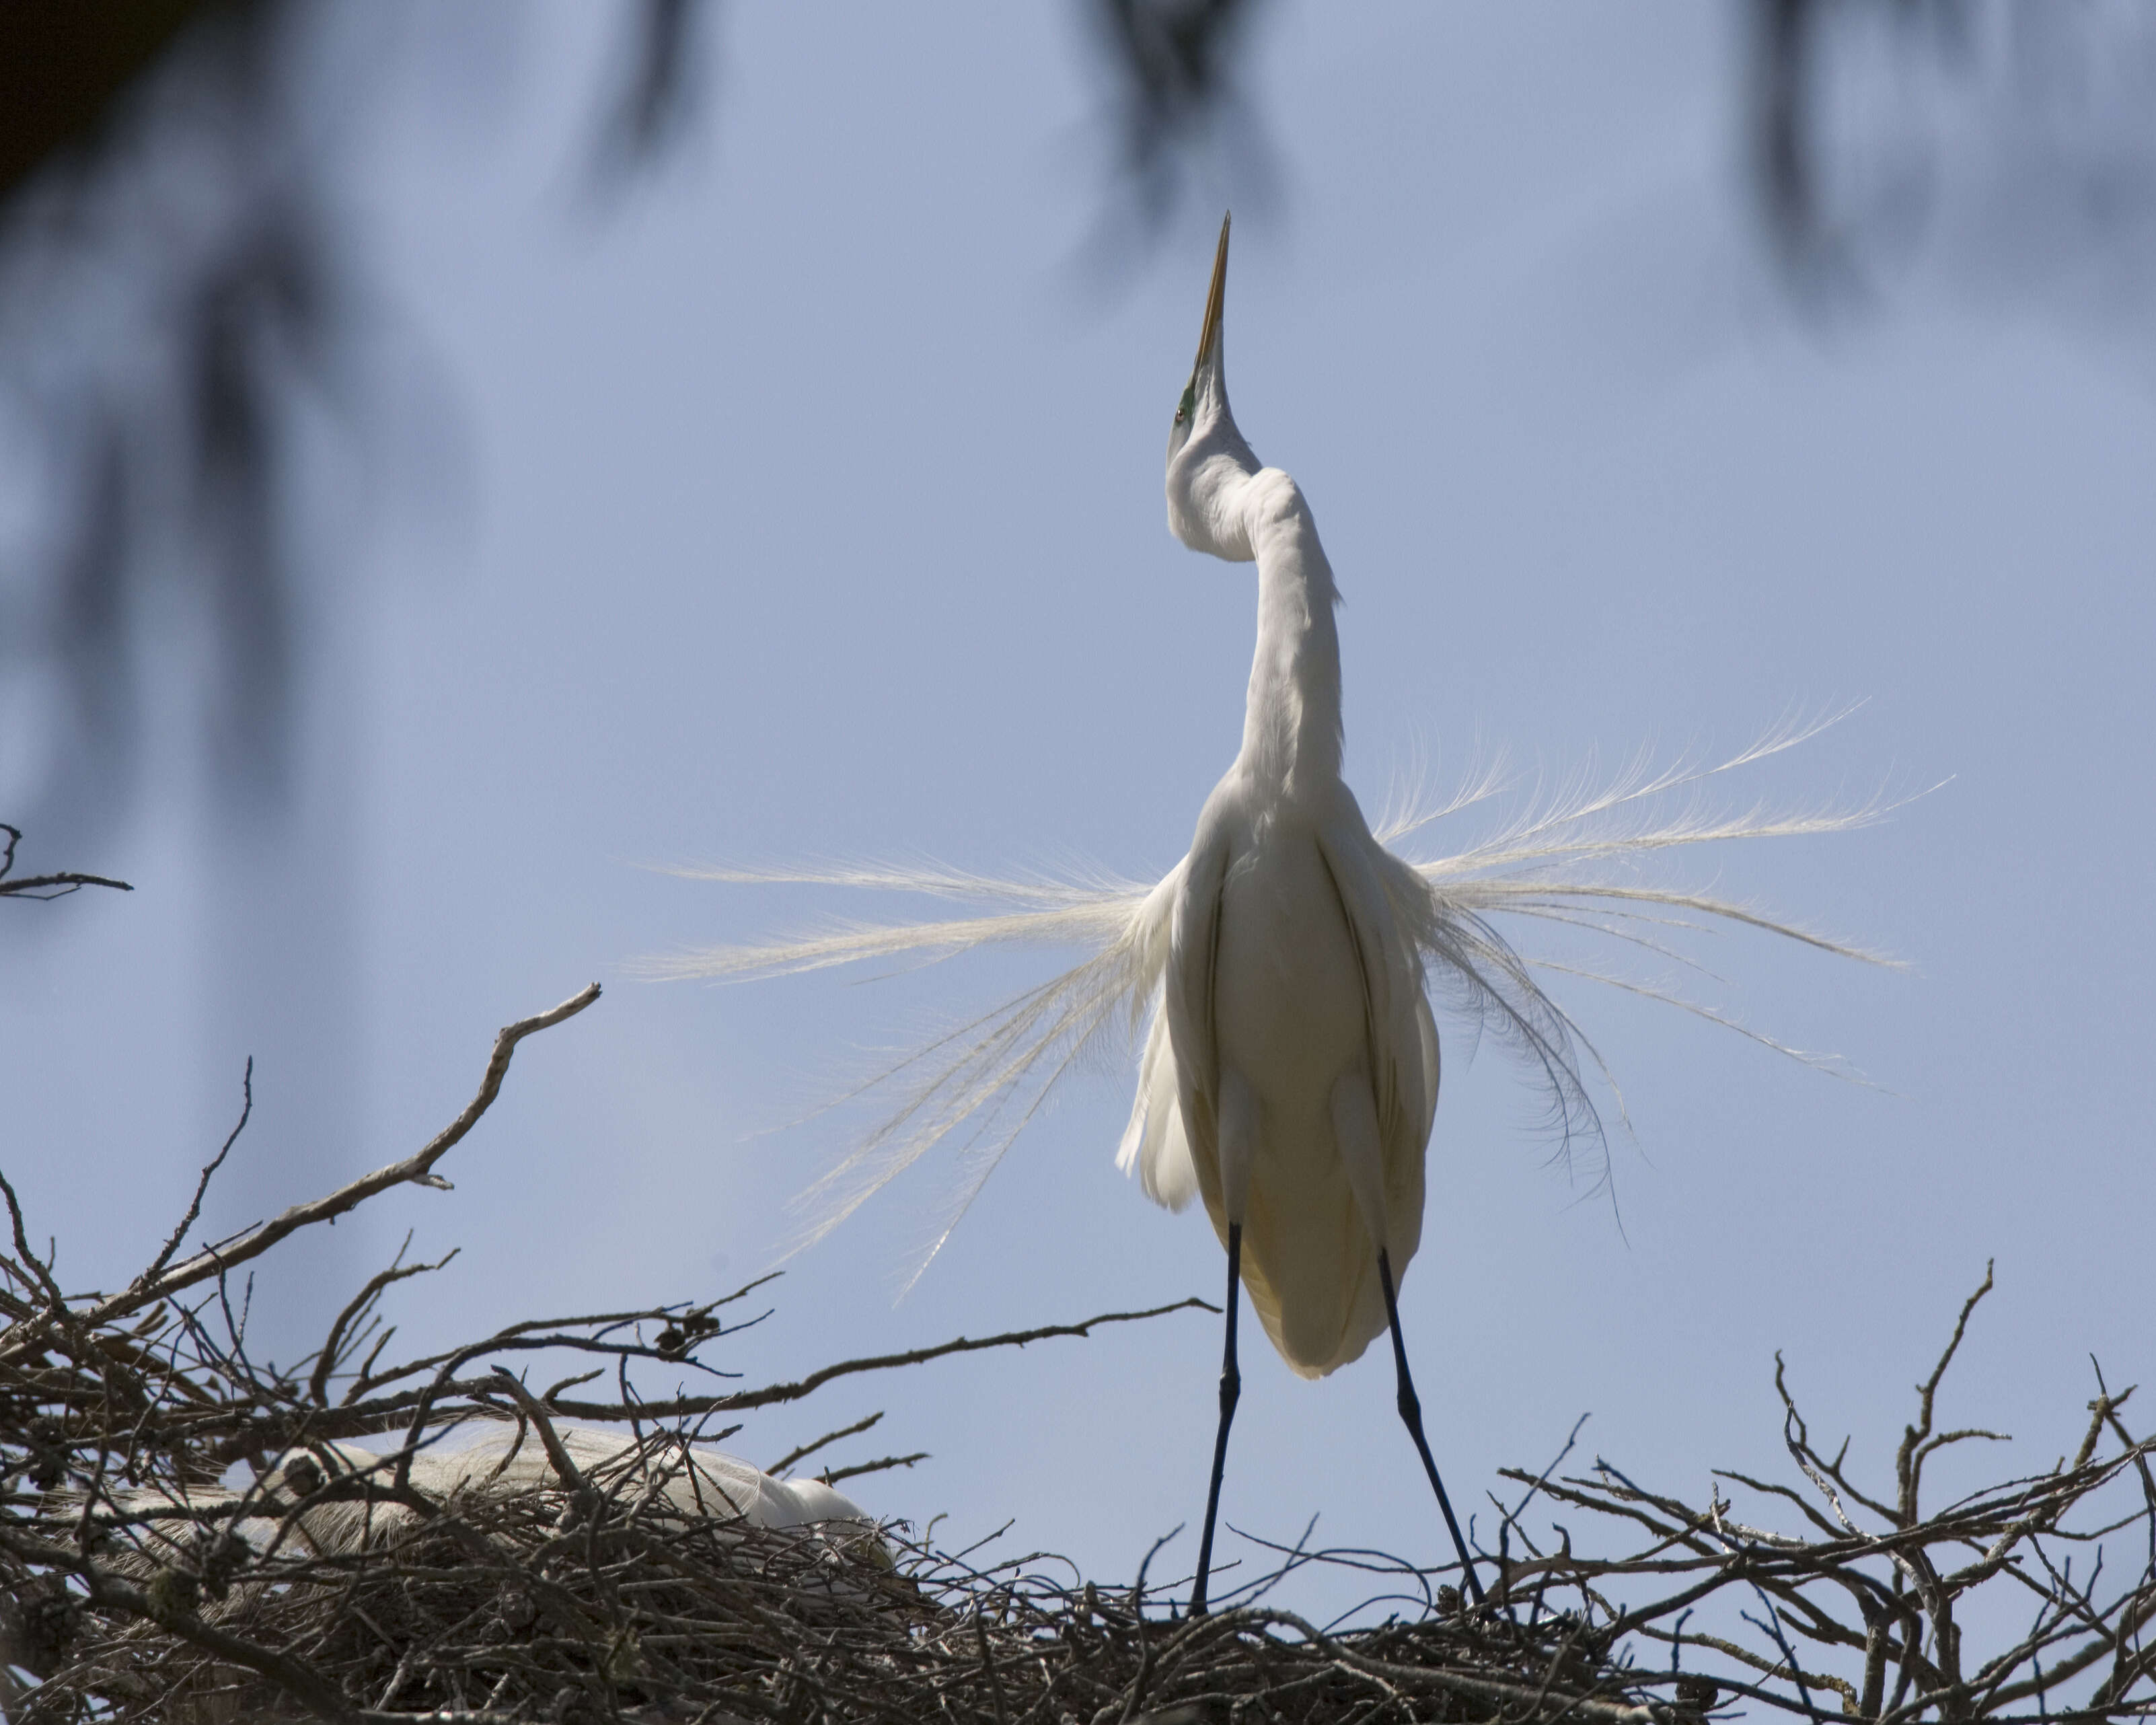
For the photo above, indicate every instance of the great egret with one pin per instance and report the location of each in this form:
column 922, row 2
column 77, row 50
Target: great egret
column 692, row 1480
column 1290, row 1073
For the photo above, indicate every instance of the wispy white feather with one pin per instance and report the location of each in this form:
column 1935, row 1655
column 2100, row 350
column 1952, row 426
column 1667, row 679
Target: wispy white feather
column 1574, row 860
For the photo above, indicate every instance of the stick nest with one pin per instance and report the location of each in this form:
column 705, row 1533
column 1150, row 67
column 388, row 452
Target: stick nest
column 188, row 1536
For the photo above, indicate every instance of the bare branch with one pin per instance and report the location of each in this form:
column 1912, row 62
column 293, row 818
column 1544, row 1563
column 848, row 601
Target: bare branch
column 202, row 1186
column 413, row 1171
column 44, row 886
column 1908, row 1464
column 807, row 1450
column 834, row 1474
column 318, row 1386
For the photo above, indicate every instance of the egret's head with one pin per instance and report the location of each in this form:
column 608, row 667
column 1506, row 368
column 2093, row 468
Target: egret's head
column 1206, row 453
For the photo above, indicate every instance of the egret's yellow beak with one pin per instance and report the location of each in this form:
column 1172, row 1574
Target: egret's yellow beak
column 1208, row 334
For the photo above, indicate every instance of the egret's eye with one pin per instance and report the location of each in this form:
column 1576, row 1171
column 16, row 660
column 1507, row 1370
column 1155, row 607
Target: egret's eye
column 1183, row 407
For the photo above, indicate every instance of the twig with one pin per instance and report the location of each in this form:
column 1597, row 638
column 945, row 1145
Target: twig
column 318, row 1386
column 209, row 1172
column 413, row 1171
column 44, row 886
column 690, row 1407
column 832, row 1477
column 807, row 1450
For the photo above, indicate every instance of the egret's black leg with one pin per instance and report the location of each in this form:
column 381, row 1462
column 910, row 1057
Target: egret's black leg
column 1410, row 1408
column 1231, row 1388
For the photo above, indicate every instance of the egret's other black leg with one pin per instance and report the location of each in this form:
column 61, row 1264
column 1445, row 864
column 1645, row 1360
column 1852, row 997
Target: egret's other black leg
column 1410, row 1408
column 1231, row 1389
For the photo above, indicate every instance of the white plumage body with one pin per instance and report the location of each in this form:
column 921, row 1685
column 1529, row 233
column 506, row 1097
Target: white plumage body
column 1294, row 1011
column 1294, row 1017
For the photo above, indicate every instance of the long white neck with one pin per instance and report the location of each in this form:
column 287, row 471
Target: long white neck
column 1220, row 501
column 1291, row 725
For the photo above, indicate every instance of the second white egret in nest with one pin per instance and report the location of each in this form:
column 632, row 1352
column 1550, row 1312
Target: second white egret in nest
column 1290, row 1074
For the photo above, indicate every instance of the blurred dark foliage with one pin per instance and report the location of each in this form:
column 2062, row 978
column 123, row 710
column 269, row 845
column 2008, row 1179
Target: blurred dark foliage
column 167, row 456
column 1174, row 62
column 1781, row 142
column 2013, row 144
column 1790, row 39
column 175, row 295
column 657, row 100
column 168, row 379
column 164, row 338
column 63, row 66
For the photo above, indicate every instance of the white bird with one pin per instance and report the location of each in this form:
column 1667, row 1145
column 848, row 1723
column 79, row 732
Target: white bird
column 692, row 1480
column 1290, row 1074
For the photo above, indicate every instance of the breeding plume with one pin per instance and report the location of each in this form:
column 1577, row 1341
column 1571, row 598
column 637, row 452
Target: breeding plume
column 1289, row 1075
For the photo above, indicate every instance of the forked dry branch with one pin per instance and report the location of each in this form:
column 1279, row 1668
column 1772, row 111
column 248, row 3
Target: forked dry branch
column 59, row 886
column 1861, row 1614
column 139, row 1583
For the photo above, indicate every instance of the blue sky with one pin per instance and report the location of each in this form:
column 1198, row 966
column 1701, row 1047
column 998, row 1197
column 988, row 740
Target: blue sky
column 809, row 508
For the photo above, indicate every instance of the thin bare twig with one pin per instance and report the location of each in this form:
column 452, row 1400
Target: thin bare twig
column 209, row 1172
column 416, row 1170
column 44, row 886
